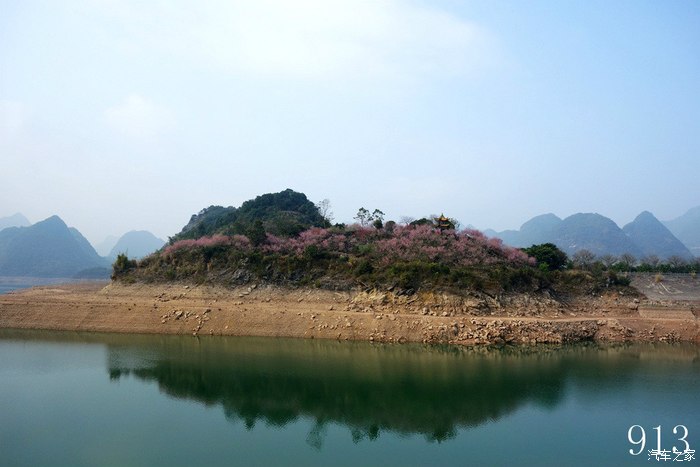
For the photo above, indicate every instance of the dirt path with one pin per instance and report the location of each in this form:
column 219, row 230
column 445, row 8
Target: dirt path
column 311, row 313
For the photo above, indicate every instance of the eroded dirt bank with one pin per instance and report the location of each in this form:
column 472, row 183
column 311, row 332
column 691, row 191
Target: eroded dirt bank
column 373, row 316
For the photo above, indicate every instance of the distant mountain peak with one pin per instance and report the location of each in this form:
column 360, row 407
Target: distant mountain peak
column 15, row 220
column 542, row 221
column 599, row 234
column 48, row 248
column 136, row 244
column 53, row 220
column 647, row 217
column 653, row 238
column 687, row 229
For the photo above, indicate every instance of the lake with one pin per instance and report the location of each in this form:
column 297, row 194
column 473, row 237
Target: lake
column 8, row 284
column 133, row 400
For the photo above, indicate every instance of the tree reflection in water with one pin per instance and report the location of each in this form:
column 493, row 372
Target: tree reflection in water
column 406, row 389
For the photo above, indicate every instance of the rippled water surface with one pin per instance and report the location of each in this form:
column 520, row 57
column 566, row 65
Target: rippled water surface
column 102, row 399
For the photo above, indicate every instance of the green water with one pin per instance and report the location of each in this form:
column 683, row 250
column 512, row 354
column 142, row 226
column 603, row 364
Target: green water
column 121, row 400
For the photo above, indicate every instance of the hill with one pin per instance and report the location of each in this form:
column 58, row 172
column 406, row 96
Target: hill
column 582, row 231
column 136, row 244
column 286, row 213
column 687, row 229
column 400, row 258
column 427, row 256
column 595, row 233
column 280, row 238
column 653, row 238
column 47, row 249
column 16, row 220
column 539, row 229
column 645, row 236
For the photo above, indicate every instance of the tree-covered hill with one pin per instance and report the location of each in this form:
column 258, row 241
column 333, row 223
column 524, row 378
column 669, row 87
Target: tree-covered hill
column 286, row 213
column 282, row 239
column 406, row 258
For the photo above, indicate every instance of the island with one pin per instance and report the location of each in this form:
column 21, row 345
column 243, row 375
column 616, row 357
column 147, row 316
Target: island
column 277, row 267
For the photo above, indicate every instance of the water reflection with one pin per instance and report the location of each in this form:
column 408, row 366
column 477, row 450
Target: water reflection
column 372, row 389
column 407, row 389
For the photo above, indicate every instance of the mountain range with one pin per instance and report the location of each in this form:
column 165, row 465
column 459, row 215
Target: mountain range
column 52, row 249
column 48, row 249
column 644, row 236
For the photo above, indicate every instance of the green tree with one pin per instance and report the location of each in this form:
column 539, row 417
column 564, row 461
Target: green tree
column 122, row 265
column 548, row 254
column 377, row 219
column 627, row 261
column 363, row 216
column 256, row 234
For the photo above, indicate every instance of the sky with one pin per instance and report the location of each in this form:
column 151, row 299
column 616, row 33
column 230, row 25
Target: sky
column 130, row 115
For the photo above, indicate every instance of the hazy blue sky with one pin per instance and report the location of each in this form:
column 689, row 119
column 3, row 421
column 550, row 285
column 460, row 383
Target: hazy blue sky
column 120, row 115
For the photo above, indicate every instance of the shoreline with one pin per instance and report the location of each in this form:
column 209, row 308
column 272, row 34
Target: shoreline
column 374, row 316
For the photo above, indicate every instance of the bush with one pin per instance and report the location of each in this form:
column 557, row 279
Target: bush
column 413, row 274
column 122, row 265
column 548, row 256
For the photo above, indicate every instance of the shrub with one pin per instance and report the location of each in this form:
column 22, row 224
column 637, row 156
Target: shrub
column 122, row 265
column 548, row 256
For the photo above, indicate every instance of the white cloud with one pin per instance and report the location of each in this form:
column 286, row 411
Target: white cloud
column 313, row 38
column 138, row 117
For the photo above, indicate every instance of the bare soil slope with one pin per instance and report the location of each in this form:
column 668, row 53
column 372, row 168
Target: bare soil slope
column 665, row 288
column 373, row 316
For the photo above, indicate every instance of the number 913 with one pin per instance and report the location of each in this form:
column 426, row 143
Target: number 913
column 637, row 436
